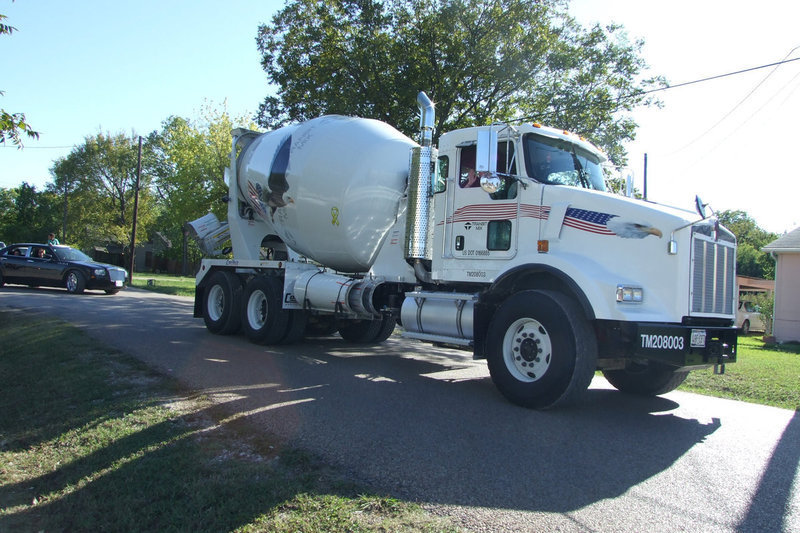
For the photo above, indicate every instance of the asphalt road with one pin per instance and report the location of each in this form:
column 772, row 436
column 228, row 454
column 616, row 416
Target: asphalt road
column 426, row 424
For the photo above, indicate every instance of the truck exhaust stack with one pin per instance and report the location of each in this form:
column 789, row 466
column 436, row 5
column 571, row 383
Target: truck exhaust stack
column 420, row 176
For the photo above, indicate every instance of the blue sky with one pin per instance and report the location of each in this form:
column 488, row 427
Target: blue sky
column 88, row 66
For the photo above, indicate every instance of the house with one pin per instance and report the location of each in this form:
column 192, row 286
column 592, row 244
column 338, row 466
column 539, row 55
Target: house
column 786, row 319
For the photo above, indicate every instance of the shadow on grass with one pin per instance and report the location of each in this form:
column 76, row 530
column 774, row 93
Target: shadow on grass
column 174, row 475
column 117, row 449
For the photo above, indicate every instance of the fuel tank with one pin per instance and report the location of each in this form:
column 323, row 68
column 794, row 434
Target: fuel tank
column 330, row 187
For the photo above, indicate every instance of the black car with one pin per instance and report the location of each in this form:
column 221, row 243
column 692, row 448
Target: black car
column 58, row 266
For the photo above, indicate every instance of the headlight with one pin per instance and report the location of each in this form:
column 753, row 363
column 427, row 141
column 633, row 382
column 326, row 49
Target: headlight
column 627, row 294
column 100, row 272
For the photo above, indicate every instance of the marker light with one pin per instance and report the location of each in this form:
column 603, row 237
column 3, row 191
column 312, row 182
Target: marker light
column 629, row 294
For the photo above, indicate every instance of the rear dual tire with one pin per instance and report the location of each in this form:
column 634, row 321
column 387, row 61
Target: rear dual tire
column 263, row 318
column 368, row 331
column 222, row 302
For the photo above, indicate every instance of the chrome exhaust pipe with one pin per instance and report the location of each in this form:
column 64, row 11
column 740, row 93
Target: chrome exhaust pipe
column 420, row 178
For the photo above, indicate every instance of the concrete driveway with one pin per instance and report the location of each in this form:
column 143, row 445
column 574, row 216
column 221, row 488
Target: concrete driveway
column 426, row 424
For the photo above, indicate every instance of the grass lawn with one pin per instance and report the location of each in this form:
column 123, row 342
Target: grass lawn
column 766, row 374
column 93, row 440
column 164, row 283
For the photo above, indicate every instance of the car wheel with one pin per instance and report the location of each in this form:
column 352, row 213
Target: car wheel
column 2, row 281
column 541, row 349
column 221, row 302
column 75, row 282
column 746, row 327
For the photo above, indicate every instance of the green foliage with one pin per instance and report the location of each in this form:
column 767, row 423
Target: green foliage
column 13, row 124
column 478, row 61
column 99, row 181
column 190, row 158
column 750, row 260
column 27, row 215
column 766, row 306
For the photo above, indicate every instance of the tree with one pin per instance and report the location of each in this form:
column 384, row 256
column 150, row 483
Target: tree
column 13, row 124
column 478, row 60
column 99, row 180
column 190, row 158
column 750, row 260
column 27, row 215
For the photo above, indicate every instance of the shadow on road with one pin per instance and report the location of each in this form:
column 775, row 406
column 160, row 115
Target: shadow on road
column 771, row 503
column 389, row 418
column 410, row 420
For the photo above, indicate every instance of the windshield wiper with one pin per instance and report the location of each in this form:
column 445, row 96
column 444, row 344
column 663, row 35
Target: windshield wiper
column 580, row 170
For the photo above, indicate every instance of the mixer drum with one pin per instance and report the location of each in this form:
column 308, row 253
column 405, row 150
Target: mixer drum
column 330, row 187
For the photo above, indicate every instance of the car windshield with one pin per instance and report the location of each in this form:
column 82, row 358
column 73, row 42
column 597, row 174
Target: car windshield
column 559, row 162
column 71, row 254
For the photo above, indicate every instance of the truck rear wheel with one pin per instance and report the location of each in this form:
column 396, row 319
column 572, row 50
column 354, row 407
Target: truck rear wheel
column 368, row 331
column 646, row 380
column 297, row 326
column 541, row 349
column 263, row 318
column 221, row 301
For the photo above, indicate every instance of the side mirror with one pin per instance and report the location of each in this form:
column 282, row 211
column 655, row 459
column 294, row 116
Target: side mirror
column 486, row 151
column 491, row 183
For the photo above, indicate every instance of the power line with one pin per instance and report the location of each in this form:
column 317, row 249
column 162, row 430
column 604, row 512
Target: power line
column 721, row 75
column 743, row 100
column 37, row 147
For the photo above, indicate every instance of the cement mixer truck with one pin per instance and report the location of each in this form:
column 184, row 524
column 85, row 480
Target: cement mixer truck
column 502, row 241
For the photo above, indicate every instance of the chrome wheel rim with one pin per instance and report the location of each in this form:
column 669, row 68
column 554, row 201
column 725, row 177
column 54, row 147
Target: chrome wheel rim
column 72, row 282
column 527, row 350
column 257, row 310
column 216, row 303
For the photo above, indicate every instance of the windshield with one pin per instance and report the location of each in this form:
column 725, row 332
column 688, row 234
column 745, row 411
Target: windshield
column 559, row 162
column 71, row 254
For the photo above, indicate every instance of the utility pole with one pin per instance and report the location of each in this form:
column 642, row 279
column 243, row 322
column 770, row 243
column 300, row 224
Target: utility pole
column 135, row 210
column 185, row 259
column 64, row 227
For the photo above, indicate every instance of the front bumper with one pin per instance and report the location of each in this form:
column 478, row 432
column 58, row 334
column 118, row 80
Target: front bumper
column 685, row 346
column 113, row 280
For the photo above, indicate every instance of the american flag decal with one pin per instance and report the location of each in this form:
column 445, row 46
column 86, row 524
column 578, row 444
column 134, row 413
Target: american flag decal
column 254, row 193
column 581, row 219
column 480, row 212
column 590, row 221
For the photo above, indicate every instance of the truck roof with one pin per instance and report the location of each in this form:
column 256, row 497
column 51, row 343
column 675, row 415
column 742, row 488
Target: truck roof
column 465, row 135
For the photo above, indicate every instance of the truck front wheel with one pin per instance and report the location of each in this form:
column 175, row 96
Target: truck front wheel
column 541, row 349
column 646, row 380
column 263, row 318
column 221, row 303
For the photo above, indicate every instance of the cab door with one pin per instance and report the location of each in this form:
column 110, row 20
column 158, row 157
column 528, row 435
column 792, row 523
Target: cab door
column 483, row 225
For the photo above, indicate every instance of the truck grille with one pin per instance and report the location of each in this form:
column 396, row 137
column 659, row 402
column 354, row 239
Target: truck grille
column 713, row 276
